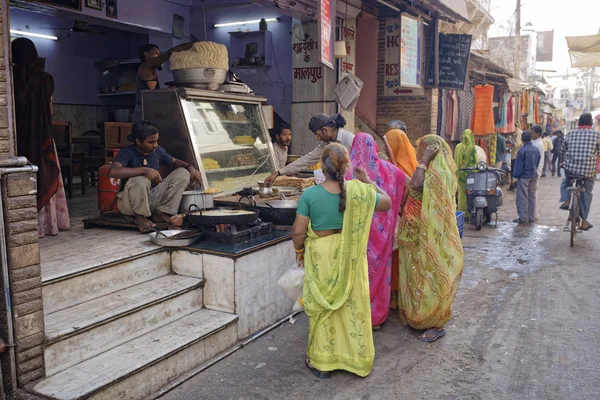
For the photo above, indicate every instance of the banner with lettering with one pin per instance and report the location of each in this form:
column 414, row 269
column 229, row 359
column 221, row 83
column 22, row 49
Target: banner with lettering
column 391, row 84
column 411, row 51
column 326, row 15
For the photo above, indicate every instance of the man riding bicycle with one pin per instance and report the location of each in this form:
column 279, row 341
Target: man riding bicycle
column 579, row 154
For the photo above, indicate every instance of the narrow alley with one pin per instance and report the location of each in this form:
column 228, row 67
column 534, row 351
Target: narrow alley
column 525, row 327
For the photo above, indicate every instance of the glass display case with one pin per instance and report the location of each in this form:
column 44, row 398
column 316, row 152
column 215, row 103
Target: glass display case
column 224, row 134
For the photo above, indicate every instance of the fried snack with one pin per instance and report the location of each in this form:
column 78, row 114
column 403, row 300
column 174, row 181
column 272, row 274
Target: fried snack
column 209, row 163
column 201, row 55
column 242, row 160
column 291, row 181
column 245, row 140
column 314, row 167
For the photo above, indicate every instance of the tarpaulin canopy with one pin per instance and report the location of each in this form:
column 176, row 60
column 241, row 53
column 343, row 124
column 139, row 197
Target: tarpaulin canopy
column 584, row 51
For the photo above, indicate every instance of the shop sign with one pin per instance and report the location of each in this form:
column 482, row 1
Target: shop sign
column 411, row 51
column 326, row 15
column 391, row 83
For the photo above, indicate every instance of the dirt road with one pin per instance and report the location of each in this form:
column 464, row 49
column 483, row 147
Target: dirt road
column 526, row 326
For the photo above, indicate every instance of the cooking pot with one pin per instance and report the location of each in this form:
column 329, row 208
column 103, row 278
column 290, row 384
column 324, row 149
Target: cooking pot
column 197, row 197
column 279, row 212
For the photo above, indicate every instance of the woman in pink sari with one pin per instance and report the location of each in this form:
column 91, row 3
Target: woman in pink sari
column 364, row 154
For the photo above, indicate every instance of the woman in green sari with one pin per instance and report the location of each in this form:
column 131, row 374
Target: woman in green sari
column 465, row 155
column 430, row 249
column 330, row 237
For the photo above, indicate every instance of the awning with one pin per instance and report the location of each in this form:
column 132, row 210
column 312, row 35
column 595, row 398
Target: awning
column 584, row 51
column 456, row 9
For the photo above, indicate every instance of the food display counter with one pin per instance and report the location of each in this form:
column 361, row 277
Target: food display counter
column 223, row 134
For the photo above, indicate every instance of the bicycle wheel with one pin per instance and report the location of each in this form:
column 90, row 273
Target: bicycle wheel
column 574, row 215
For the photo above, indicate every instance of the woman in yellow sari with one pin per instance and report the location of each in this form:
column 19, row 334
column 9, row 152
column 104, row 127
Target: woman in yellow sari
column 431, row 253
column 330, row 237
column 465, row 155
column 401, row 151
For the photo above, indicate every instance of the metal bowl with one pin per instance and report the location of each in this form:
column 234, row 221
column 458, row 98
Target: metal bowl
column 160, row 240
column 200, row 76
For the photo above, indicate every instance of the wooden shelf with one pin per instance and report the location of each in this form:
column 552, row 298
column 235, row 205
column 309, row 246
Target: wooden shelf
column 128, row 93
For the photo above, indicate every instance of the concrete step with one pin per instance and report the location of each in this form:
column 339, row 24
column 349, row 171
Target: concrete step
column 69, row 290
column 140, row 367
column 88, row 329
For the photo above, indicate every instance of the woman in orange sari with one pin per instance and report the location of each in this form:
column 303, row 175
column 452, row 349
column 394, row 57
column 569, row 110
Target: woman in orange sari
column 403, row 155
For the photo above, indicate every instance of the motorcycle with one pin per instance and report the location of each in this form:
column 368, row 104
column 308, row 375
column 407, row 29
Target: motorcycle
column 484, row 195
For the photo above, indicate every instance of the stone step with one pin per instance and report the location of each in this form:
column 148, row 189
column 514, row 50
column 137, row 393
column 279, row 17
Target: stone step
column 67, row 291
column 140, row 367
column 88, row 329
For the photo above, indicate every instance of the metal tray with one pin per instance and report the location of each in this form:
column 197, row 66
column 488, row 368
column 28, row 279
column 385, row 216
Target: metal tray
column 159, row 240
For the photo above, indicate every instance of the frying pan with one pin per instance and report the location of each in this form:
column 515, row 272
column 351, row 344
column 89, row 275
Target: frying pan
column 196, row 217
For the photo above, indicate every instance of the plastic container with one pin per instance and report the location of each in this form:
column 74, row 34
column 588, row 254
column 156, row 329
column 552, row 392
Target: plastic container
column 460, row 222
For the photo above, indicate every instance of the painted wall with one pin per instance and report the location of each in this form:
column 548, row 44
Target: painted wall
column 366, row 67
column 71, row 60
column 274, row 83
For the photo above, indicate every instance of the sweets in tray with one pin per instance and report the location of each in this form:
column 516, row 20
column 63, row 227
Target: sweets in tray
column 242, row 160
column 244, row 140
column 209, row 163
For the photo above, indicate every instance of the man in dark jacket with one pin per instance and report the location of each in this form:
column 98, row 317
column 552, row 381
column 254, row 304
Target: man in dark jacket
column 526, row 171
column 557, row 146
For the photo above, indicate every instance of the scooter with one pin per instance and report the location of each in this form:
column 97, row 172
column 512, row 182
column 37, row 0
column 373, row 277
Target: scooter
column 484, row 195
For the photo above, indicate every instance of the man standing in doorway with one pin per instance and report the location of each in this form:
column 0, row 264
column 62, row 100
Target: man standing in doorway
column 281, row 143
column 579, row 154
column 526, row 171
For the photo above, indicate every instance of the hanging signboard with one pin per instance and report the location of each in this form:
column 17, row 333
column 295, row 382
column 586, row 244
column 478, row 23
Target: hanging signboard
column 326, row 15
column 454, row 51
column 391, row 84
column 411, row 51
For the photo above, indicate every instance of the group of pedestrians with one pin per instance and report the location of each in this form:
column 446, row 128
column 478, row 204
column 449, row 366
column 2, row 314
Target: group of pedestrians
column 576, row 154
column 376, row 235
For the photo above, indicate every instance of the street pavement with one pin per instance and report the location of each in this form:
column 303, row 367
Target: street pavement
column 526, row 325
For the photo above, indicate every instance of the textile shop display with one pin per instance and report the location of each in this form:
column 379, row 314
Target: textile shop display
column 483, row 113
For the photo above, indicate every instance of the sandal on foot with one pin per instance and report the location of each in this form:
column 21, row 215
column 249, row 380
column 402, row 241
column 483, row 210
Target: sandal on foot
column 318, row 374
column 564, row 206
column 438, row 334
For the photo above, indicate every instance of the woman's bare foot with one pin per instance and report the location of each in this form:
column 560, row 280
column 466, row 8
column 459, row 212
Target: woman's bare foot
column 176, row 220
column 144, row 224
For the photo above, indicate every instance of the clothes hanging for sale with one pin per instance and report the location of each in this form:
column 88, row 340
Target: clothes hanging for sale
column 496, row 105
column 536, row 109
column 507, row 114
column 492, row 152
column 482, row 122
column 465, row 112
column 454, row 136
column 444, row 116
column 531, row 108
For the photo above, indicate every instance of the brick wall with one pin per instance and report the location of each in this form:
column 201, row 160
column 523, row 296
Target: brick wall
column 20, row 217
column 418, row 112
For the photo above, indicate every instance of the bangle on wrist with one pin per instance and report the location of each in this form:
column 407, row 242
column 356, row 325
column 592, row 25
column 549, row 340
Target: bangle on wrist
column 298, row 251
column 422, row 166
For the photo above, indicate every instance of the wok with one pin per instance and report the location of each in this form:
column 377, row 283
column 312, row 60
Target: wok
column 279, row 212
column 198, row 217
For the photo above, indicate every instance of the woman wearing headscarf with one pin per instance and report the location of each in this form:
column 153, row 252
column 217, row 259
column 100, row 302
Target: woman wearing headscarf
column 330, row 237
column 403, row 155
column 431, row 253
column 465, row 155
column 33, row 111
column 381, row 238
column 401, row 151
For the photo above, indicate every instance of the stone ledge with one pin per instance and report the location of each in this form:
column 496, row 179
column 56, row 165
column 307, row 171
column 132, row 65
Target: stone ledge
column 29, row 325
column 24, row 256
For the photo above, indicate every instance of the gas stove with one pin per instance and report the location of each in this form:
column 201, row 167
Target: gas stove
column 236, row 233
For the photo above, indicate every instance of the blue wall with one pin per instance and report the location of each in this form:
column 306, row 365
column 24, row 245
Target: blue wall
column 274, row 83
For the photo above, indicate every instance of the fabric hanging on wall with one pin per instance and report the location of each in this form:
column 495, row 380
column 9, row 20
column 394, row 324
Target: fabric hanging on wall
column 444, row 115
column 482, row 122
column 496, row 104
column 454, row 100
column 465, row 112
column 493, row 148
column 536, row 108
column 507, row 113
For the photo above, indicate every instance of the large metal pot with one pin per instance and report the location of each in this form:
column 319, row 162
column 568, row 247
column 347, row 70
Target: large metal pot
column 197, row 197
column 203, row 217
column 213, row 76
column 279, row 212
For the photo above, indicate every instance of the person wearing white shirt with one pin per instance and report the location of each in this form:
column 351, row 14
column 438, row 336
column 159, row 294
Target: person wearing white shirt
column 329, row 129
column 536, row 133
column 281, row 143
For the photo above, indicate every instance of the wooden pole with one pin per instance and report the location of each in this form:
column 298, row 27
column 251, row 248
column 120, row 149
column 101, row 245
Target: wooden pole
column 518, row 42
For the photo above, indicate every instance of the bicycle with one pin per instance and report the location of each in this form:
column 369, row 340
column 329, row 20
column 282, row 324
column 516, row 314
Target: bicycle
column 574, row 221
